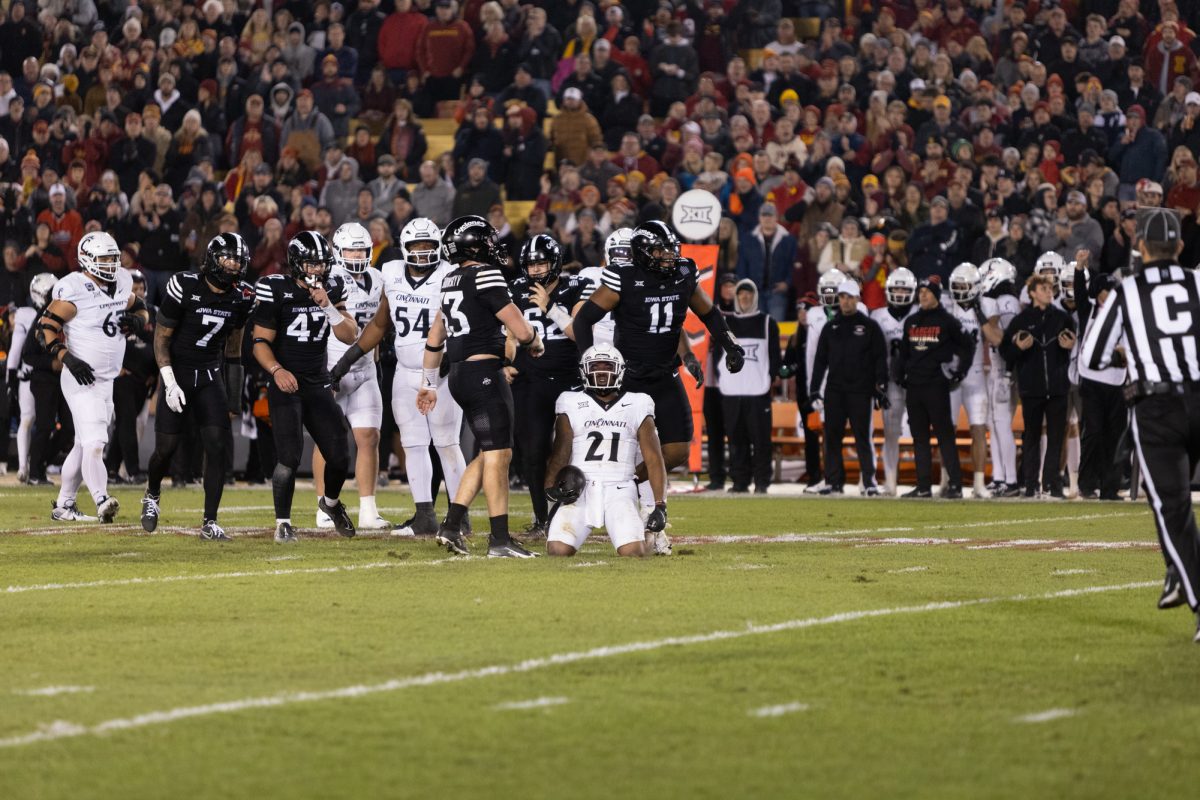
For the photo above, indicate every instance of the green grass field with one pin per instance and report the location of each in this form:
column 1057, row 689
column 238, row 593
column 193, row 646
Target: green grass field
column 790, row 648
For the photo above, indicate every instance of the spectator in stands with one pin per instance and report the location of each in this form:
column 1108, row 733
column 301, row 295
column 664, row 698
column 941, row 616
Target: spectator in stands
column 65, row 224
column 158, row 231
column 189, row 146
column 299, row 57
column 251, row 131
column 933, row 247
column 574, row 130
column 432, row 197
column 478, row 138
column 477, row 193
column 398, row 37
column 540, row 48
column 1075, row 230
column 340, row 194
column 674, row 66
column 200, row 225
column 524, row 153
column 1168, row 58
column 335, row 96
column 335, row 45
column 524, row 90
column 1140, row 153
column 131, row 154
column 590, row 84
column 766, row 257
column 846, row 252
column 586, row 245
column 403, row 138
column 444, row 51
column 307, row 129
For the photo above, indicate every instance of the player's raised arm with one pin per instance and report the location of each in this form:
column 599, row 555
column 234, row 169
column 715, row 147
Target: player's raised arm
column 370, row 337
column 343, row 325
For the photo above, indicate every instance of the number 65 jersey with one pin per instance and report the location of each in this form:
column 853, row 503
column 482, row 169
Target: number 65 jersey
column 93, row 333
column 605, row 445
column 413, row 304
column 202, row 319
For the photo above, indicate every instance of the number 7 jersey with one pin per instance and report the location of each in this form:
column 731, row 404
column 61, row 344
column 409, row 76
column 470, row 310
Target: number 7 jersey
column 202, row 319
column 413, row 303
column 605, row 437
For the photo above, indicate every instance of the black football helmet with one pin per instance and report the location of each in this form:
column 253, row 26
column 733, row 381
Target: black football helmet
column 470, row 238
column 222, row 247
column 655, row 248
column 537, row 250
column 570, row 483
column 306, row 249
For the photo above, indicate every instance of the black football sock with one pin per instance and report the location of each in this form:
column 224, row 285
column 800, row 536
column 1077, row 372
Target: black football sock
column 454, row 516
column 499, row 530
column 425, row 508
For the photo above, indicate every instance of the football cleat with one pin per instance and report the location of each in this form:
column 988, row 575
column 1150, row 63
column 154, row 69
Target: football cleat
column 107, row 509
column 509, row 549
column 1007, row 490
column 917, row 494
column 340, row 517
column 535, row 530
column 324, row 521
column 1172, row 592
column 831, row 490
column 952, row 493
column 284, row 533
column 213, row 532
column 422, row 523
column 453, row 541
column 373, row 524
column 815, row 488
column 150, row 513
column 69, row 513
column 658, row 543
column 871, row 491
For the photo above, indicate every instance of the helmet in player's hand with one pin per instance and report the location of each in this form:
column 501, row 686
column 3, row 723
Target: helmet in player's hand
column 421, row 244
column 470, row 238
column 602, row 368
column 226, row 260
column 569, row 484
column 616, row 247
column 655, row 248
column 901, row 287
column 541, row 249
column 352, row 247
column 40, row 288
column 310, row 258
column 99, row 255
column 964, row 283
column 827, row 287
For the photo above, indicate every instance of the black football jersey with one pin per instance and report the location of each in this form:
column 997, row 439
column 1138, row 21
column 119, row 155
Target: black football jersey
column 202, row 319
column 562, row 356
column 301, row 327
column 650, row 314
column 471, row 298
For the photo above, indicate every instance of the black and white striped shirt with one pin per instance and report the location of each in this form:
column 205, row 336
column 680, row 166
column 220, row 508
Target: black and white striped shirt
column 1155, row 314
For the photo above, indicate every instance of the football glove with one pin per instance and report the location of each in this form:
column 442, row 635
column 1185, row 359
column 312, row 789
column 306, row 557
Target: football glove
column 129, row 323
column 881, row 398
column 657, row 520
column 80, row 369
column 735, row 354
column 816, row 402
column 353, row 354
column 693, row 366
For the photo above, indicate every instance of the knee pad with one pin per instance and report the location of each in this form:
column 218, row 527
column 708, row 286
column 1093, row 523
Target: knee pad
column 283, row 476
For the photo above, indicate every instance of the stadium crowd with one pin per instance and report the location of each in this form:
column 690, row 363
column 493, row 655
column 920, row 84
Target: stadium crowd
column 862, row 137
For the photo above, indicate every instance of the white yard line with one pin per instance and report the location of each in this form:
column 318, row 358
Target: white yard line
column 529, row 705
column 1061, row 572
column 585, row 564
column 778, row 711
column 54, row 691
column 1046, row 716
column 906, row 569
column 1054, row 545
column 67, row 730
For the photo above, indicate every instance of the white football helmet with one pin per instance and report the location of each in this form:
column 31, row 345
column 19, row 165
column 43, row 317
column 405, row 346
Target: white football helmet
column 40, row 288
column 827, row 287
column 1049, row 264
column 901, row 287
column 1067, row 281
column 421, row 230
column 352, row 236
column 617, row 248
column 602, row 360
column 964, row 283
column 99, row 255
column 994, row 272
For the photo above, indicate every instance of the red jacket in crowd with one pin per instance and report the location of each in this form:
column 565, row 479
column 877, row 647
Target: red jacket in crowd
column 442, row 49
column 398, row 39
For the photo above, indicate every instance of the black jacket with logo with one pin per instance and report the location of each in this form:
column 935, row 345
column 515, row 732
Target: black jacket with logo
column 853, row 350
column 1042, row 369
column 932, row 338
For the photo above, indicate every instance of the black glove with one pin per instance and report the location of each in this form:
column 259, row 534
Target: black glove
column 13, row 392
column 881, row 398
column 130, row 323
column 735, row 354
column 353, row 354
column 693, row 366
column 657, row 519
column 957, row 378
column 80, row 369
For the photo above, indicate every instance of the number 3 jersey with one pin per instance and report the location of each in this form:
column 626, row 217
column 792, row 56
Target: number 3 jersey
column 471, row 298
column 650, row 314
column 561, row 358
column 362, row 301
column 202, row 318
column 93, row 334
column 605, row 443
column 413, row 302
column 300, row 325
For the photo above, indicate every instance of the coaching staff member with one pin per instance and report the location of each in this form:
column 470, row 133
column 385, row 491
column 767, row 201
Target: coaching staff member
column 853, row 350
column 935, row 353
column 1037, row 347
column 1157, row 312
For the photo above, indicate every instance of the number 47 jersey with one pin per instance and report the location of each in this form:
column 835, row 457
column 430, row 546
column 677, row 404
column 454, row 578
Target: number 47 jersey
column 605, row 445
column 413, row 302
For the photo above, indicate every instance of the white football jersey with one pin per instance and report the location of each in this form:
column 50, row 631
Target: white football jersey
column 1006, row 306
column 816, row 322
column 603, row 331
column 94, row 335
column 414, row 305
column 969, row 320
column 362, row 301
column 605, row 442
column 893, row 329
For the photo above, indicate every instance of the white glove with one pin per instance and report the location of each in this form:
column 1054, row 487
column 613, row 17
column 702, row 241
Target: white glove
column 172, row 392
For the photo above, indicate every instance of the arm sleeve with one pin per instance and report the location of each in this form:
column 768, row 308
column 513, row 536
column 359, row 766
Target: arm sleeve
column 1105, row 332
column 266, row 313
column 492, row 290
column 588, row 316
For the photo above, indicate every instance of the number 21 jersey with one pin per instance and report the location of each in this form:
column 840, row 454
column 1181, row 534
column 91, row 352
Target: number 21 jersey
column 413, row 303
column 605, row 444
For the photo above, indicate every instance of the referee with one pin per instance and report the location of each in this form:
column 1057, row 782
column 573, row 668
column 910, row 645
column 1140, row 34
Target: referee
column 1155, row 315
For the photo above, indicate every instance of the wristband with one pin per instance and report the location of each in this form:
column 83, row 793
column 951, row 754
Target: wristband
column 430, row 348
column 333, row 314
column 532, row 339
column 559, row 316
column 168, row 376
column 430, row 377
column 275, row 369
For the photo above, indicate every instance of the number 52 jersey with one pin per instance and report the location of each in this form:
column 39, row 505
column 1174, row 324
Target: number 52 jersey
column 605, row 445
column 413, row 303
column 93, row 334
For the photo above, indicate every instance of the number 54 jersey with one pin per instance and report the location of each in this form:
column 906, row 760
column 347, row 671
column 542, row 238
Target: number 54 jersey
column 413, row 302
column 605, row 445
column 93, row 333
column 202, row 319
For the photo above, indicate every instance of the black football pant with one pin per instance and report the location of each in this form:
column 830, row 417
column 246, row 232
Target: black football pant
column 205, row 417
column 928, row 404
column 854, row 407
column 129, row 398
column 313, row 408
column 533, row 421
column 1166, row 436
column 748, row 426
column 51, row 410
column 1052, row 413
column 714, row 424
column 1103, row 419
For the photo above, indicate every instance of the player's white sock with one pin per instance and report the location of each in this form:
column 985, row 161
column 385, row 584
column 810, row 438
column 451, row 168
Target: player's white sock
column 1073, row 464
column 419, row 466
column 331, row 501
column 95, row 474
column 367, row 512
column 453, row 466
column 980, row 485
column 279, row 521
column 72, row 475
column 24, row 435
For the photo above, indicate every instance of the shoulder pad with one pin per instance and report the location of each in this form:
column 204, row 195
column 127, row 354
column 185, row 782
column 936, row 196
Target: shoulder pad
column 392, row 268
